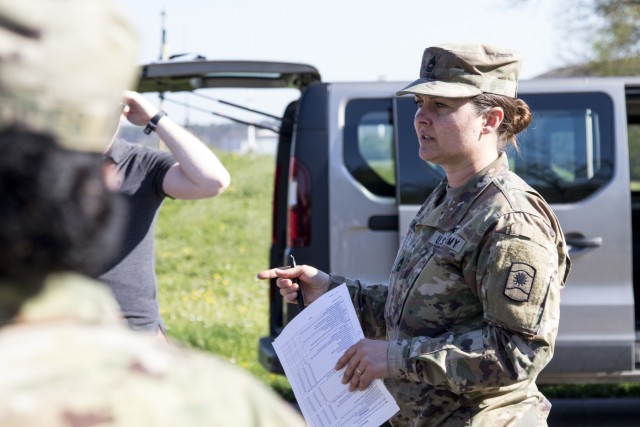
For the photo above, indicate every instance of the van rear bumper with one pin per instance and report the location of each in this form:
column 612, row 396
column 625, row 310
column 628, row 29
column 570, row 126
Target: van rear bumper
column 267, row 356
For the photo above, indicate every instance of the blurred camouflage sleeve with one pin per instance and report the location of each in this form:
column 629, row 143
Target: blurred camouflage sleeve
column 517, row 280
column 368, row 301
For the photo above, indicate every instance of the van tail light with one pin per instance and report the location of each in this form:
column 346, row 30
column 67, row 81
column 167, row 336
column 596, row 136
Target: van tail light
column 299, row 206
column 274, row 206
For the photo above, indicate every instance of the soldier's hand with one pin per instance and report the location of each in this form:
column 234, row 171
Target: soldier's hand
column 314, row 282
column 365, row 361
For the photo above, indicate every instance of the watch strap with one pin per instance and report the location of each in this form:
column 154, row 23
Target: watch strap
column 153, row 123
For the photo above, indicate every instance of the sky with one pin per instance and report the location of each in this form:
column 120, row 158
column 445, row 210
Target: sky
column 346, row 40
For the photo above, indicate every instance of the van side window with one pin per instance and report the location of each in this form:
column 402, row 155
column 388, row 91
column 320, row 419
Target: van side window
column 634, row 154
column 567, row 151
column 368, row 145
column 633, row 129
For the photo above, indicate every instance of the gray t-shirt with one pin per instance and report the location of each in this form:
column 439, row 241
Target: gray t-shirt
column 131, row 275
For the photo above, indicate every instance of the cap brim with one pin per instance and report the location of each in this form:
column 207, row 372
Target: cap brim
column 439, row 88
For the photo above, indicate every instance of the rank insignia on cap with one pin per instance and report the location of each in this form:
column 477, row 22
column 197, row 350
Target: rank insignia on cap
column 428, row 69
column 519, row 282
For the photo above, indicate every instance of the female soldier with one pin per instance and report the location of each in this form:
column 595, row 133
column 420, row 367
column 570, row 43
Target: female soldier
column 471, row 312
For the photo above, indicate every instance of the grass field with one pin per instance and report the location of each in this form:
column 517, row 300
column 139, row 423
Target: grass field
column 208, row 253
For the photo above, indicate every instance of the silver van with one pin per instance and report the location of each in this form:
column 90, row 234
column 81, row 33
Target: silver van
column 348, row 182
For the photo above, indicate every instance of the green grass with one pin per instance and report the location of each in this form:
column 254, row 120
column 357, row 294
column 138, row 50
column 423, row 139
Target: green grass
column 207, row 255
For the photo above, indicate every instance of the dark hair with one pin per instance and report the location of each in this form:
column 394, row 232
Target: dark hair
column 517, row 116
column 56, row 213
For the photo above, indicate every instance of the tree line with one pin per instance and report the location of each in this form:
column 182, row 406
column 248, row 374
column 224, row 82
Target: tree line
column 610, row 31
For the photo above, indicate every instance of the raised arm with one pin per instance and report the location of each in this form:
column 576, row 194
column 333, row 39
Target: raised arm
column 198, row 173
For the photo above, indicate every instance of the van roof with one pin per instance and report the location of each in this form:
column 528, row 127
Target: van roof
column 175, row 76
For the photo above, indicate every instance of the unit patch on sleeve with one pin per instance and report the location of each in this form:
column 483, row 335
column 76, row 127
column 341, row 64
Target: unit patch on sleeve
column 519, row 282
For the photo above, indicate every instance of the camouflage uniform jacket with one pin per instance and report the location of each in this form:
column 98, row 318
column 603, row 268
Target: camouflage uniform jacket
column 473, row 303
column 68, row 360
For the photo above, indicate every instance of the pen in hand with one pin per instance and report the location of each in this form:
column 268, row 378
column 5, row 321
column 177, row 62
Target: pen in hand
column 292, row 263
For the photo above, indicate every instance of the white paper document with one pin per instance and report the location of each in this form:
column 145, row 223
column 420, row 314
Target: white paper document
column 309, row 348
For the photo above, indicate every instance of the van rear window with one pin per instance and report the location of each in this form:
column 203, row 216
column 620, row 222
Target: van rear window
column 368, row 145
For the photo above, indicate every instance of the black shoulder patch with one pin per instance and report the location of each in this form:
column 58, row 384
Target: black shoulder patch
column 519, row 282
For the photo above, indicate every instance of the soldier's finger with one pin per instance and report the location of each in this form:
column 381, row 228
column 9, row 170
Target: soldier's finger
column 267, row 274
column 364, row 381
column 355, row 382
column 345, row 358
column 288, row 292
column 284, row 283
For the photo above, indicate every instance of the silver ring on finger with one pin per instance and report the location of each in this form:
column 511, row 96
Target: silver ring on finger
column 358, row 371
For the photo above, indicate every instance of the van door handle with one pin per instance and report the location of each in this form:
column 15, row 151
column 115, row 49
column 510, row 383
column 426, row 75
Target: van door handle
column 580, row 244
column 383, row 222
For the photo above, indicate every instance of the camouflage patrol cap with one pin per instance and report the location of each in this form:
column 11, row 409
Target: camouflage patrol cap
column 466, row 70
column 63, row 68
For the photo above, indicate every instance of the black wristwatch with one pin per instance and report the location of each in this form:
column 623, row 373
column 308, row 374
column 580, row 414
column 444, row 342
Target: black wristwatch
column 153, row 123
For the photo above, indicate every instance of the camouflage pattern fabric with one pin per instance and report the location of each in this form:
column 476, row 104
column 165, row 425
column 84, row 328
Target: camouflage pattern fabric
column 473, row 304
column 63, row 68
column 68, row 360
column 466, row 70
